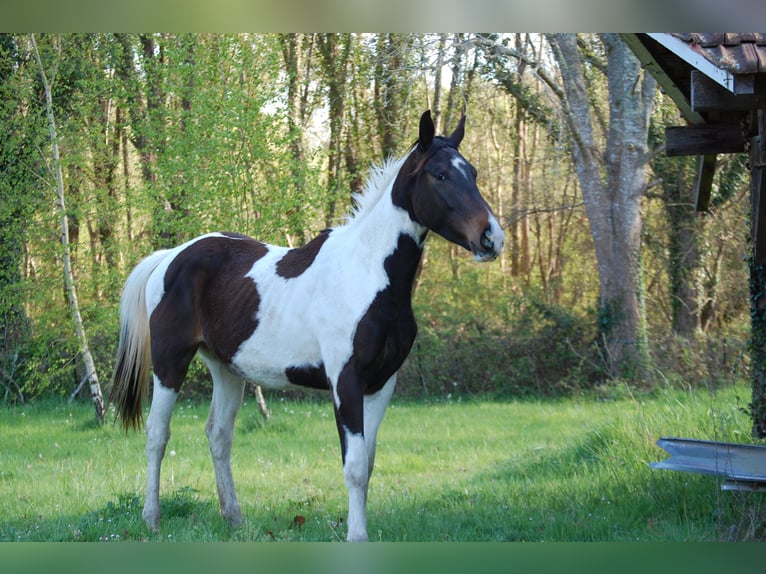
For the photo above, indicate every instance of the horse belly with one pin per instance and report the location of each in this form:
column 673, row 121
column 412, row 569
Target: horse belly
column 281, row 341
column 265, row 358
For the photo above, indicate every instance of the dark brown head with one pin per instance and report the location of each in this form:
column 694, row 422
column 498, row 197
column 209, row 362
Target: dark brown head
column 437, row 185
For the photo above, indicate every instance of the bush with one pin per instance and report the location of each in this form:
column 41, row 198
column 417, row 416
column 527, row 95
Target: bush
column 540, row 353
column 549, row 350
column 706, row 361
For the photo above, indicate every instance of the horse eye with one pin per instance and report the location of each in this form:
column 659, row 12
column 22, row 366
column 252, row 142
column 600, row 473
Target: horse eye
column 441, row 176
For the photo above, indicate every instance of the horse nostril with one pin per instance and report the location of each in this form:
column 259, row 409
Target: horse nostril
column 486, row 240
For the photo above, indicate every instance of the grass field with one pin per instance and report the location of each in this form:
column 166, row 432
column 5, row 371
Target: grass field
column 560, row 470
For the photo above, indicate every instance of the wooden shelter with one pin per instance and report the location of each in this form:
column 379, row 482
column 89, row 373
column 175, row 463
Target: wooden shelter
column 718, row 81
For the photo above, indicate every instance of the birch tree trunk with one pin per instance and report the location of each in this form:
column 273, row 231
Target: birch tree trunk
column 90, row 368
column 613, row 183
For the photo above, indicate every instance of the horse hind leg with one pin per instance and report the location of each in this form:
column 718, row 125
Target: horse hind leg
column 227, row 398
column 157, row 436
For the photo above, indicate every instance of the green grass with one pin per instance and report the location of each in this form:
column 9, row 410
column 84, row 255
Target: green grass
column 561, row 470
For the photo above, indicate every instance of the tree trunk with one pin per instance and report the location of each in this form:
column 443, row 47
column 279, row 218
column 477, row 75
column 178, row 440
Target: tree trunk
column 758, row 285
column 518, row 198
column 90, row 368
column 613, row 201
column 144, row 100
column 683, row 254
column 459, row 86
column 293, row 57
column 392, row 86
column 334, row 50
column 436, row 106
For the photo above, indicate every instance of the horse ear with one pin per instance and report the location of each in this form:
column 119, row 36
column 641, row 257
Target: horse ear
column 457, row 136
column 427, row 131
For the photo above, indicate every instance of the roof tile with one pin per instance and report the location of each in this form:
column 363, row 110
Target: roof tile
column 738, row 53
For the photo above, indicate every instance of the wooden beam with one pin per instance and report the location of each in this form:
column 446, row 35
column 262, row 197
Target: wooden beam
column 704, row 139
column 684, row 51
column 636, row 43
column 707, row 96
column 744, row 84
column 704, row 182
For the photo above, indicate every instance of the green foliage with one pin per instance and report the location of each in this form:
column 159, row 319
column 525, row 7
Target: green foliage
column 166, row 136
column 19, row 198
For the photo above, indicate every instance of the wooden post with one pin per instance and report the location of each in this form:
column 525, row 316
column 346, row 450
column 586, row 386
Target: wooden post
column 758, row 278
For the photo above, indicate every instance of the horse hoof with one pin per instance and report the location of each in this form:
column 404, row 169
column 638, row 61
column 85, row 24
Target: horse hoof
column 358, row 538
column 235, row 519
column 152, row 521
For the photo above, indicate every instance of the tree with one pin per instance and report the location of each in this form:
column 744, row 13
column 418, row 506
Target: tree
column 609, row 151
column 392, row 87
column 164, row 136
column 91, row 376
column 140, row 69
column 611, row 161
column 675, row 179
column 334, row 50
column 511, row 75
column 297, row 55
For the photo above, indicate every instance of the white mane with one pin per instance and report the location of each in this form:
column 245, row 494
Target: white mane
column 379, row 182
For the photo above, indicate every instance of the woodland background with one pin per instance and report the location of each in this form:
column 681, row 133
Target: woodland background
column 609, row 280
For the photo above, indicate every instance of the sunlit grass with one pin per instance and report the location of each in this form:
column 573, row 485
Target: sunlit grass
column 563, row 470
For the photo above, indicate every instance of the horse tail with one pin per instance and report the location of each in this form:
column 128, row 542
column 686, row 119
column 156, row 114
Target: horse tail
column 130, row 382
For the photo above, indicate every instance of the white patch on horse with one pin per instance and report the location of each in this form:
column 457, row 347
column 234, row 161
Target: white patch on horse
column 460, row 164
column 157, row 436
column 496, row 235
column 379, row 182
column 356, row 474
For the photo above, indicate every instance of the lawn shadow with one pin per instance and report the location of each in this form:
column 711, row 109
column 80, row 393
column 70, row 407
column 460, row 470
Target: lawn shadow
column 601, row 488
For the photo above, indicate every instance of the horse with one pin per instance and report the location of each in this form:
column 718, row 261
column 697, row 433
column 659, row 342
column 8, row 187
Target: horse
column 334, row 314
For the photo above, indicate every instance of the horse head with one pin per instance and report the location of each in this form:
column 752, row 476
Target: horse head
column 437, row 185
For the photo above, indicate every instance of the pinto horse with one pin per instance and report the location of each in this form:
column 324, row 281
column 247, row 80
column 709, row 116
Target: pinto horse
column 335, row 314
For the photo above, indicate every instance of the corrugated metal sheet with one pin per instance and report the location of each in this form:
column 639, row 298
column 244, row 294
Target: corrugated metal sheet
column 742, row 466
column 737, row 53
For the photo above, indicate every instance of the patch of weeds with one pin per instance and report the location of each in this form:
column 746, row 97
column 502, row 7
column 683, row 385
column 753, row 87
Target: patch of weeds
column 91, row 424
column 255, row 422
column 252, row 422
column 181, row 503
column 120, row 520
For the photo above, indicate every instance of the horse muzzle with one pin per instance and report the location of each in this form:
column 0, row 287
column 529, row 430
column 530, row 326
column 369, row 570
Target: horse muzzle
column 490, row 243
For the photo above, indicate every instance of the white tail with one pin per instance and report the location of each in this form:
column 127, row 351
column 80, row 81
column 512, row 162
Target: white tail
column 133, row 364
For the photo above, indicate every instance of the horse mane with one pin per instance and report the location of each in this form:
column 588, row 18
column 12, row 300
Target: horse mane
column 379, row 181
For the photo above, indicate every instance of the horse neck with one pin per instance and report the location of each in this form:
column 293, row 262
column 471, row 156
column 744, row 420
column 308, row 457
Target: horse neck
column 387, row 233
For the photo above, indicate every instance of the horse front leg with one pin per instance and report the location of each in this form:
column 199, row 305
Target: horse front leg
column 374, row 409
column 349, row 416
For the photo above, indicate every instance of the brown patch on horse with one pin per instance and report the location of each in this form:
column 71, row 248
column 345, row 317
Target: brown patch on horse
column 309, row 376
column 296, row 261
column 205, row 292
